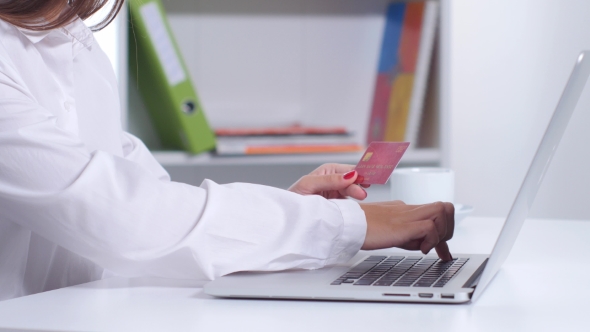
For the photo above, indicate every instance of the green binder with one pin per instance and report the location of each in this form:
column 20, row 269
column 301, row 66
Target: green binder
column 163, row 81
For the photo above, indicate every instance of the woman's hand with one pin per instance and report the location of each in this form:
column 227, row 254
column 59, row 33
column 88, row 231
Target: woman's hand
column 389, row 224
column 411, row 227
column 331, row 181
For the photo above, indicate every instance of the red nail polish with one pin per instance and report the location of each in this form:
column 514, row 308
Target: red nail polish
column 349, row 175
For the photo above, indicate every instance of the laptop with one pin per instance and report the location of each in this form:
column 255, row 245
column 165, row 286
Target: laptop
column 413, row 277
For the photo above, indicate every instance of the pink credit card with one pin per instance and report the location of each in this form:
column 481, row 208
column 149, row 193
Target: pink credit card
column 379, row 161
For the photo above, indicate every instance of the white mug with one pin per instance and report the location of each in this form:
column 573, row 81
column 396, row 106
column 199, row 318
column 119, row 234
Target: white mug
column 421, row 185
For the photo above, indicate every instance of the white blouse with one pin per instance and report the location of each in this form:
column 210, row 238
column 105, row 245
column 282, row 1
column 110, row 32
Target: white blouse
column 79, row 196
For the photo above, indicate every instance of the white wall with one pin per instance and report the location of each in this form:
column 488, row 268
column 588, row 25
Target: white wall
column 113, row 41
column 509, row 61
column 108, row 37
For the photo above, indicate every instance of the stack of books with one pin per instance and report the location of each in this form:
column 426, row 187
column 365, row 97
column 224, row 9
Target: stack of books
column 285, row 140
column 400, row 88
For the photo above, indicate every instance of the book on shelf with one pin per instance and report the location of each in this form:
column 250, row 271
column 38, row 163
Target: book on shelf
column 403, row 71
column 285, row 140
column 163, row 81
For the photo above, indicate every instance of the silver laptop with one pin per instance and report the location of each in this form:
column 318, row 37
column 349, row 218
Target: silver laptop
column 413, row 277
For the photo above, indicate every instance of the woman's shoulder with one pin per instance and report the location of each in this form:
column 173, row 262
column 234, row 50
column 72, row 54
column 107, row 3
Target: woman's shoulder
column 8, row 30
column 16, row 51
column 11, row 38
column 15, row 43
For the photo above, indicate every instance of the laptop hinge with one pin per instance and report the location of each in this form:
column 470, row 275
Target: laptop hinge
column 474, row 279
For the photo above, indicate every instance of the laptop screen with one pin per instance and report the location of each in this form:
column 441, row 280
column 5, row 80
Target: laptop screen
column 541, row 161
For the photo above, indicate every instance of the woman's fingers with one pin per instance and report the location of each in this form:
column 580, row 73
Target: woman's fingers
column 450, row 210
column 426, row 232
column 442, row 250
column 442, row 214
column 438, row 229
column 331, row 181
column 328, row 182
column 441, row 219
column 413, row 227
column 354, row 191
column 333, row 169
column 332, row 185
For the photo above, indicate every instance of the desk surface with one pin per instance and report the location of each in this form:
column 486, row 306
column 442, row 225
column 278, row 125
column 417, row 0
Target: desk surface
column 541, row 287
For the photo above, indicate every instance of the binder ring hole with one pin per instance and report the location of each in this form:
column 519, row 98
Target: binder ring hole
column 188, row 107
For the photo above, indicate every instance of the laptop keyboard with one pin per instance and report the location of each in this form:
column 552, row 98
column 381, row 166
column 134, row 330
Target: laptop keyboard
column 401, row 271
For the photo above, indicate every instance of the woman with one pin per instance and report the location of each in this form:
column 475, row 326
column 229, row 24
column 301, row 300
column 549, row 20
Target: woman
column 80, row 197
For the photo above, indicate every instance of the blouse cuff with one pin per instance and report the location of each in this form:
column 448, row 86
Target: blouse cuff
column 354, row 230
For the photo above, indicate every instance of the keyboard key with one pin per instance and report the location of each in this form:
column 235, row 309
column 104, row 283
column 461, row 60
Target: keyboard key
column 383, row 283
column 388, row 279
column 363, row 283
column 375, row 258
column 423, row 285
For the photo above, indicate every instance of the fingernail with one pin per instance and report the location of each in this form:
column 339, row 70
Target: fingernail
column 349, row 175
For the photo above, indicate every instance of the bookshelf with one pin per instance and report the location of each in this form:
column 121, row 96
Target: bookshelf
column 270, row 62
column 176, row 158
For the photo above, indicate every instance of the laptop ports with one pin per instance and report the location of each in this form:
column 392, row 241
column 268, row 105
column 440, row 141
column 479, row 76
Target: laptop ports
column 395, row 294
column 447, row 296
column 426, row 295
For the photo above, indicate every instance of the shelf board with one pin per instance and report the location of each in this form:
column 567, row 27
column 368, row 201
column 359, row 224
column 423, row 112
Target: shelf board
column 179, row 158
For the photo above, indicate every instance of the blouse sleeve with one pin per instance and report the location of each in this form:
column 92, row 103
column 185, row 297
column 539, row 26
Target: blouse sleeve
column 125, row 214
column 135, row 150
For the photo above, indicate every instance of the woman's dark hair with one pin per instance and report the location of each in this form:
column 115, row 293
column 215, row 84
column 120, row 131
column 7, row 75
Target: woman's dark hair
column 51, row 14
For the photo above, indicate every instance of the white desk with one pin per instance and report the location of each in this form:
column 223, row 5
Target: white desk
column 543, row 286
